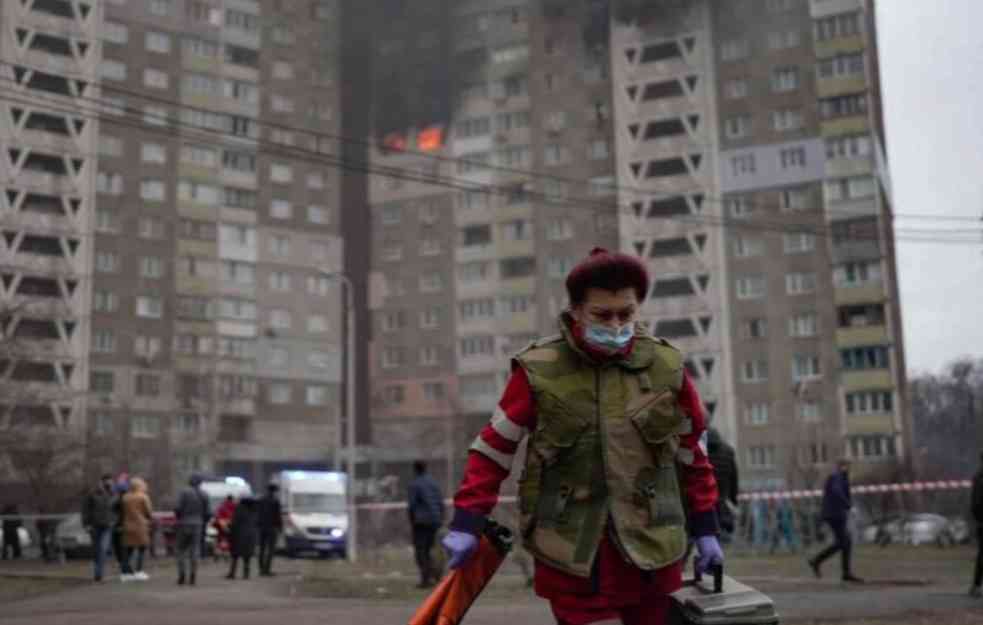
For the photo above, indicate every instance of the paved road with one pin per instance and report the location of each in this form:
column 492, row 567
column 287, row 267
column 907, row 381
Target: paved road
column 269, row 602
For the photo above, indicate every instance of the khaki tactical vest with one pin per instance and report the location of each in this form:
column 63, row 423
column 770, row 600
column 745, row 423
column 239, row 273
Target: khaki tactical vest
column 603, row 451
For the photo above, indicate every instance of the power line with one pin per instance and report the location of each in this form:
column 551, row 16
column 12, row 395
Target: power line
column 649, row 194
column 402, row 173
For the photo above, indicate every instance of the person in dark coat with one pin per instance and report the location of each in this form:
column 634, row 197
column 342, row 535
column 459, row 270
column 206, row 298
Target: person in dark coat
column 243, row 536
column 425, row 504
column 270, row 526
column 836, row 512
column 191, row 513
column 977, row 510
column 98, row 518
column 11, row 527
column 724, row 461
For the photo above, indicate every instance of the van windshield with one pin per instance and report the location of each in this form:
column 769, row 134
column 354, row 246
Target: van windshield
column 307, row 503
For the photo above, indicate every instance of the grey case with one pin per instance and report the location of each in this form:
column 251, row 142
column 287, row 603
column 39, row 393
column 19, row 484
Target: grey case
column 698, row 602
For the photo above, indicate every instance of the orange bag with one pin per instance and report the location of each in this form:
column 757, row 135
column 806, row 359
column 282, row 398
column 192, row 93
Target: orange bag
column 459, row 589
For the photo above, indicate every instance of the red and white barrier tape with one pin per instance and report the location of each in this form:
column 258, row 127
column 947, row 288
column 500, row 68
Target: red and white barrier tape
column 862, row 489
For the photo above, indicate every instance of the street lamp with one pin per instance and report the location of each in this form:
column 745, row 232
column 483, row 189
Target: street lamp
column 350, row 405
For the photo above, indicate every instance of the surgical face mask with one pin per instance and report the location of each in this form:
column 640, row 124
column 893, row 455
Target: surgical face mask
column 607, row 338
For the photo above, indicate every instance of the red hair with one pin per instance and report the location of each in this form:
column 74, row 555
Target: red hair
column 610, row 271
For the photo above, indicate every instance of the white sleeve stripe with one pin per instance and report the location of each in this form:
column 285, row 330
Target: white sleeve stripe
column 483, row 448
column 505, row 427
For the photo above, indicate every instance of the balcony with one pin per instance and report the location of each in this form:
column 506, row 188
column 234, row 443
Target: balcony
column 851, row 125
column 464, row 254
column 823, row 8
column 863, row 380
column 826, row 87
column 855, row 251
column 882, row 423
column 49, row 184
column 846, row 167
column 868, row 293
column 867, row 335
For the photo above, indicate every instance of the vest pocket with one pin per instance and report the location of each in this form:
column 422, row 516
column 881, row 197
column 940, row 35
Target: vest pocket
column 658, row 418
column 657, row 490
column 559, row 431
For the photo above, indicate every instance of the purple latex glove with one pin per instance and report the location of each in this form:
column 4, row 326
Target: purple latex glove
column 459, row 546
column 710, row 553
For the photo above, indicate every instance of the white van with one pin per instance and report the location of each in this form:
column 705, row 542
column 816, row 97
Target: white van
column 315, row 512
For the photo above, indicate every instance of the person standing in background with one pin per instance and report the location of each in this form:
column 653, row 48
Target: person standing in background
column 724, row 460
column 190, row 514
column 98, row 520
column 137, row 517
column 425, row 505
column 837, row 503
column 270, row 526
column 244, row 534
column 977, row 509
column 120, row 487
column 11, row 532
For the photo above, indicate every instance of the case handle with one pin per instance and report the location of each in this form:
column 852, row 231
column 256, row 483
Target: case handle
column 718, row 578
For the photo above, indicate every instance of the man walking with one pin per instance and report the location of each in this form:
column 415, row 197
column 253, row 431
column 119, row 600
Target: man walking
column 974, row 590
column 425, row 504
column 99, row 518
column 836, row 512
column 270, row 526
column 190, row 514
column 616, row 469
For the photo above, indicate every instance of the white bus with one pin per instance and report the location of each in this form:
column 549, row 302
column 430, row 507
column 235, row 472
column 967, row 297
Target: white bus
column 315, row 512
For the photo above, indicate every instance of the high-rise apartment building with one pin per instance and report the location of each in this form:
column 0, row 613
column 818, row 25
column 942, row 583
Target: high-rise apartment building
column 738, row 148
column 179, row 223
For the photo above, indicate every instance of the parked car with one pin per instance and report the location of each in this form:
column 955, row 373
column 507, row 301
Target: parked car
column 72, row 539
column 24, row 537
column 916, row 529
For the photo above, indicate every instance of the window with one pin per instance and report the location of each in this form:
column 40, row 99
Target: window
column 848, row 146
column 753, row 371
column 843, row 106
column 281, row 209
column 429, row 356
column 393, row 395
column 188, row 424
column 318, row 285
column 601, row 186
column 521, row 267
column 281, row 104
column 281, row 393
column 200, row 156
column 143, row 426
column 857, row 273
column 742, row 164
column 514, row 304
column 786, row 120
column 103, row 424
column 155, row 78
column 559, row 268
column 279, row 246
column 280, row 319
column 869, row 402
column 109, row 184
column 809, row 411
column 283, row 70
column 802, row 325
column 237, row 309
column 756, row 414
column 800, row 283
column 555, row 154
column 112, row 70
column 792, row 200
column 193, row 46
column 153, row 190
column 239, row 272
column 859, row 358
column 559, row 229
column 114, row 32
column 105, row 301
column 102, row 382
column 748, row 246
column 734, row 50
column 853, row 188
column 151, row 267
column 872, row 446
column 738, row 126
column 431, row 283
column 790, row 158
column 198, row 192
column 761, row 457
column 472, row 127
column 240, row 20
column 318, row 215
column 510, row 54
column 110, row 146
column 805, row 367
column 317, row 395
column 238, row 55
column 107, row 262
column 477, row 346
column 798, row 242
column 158, row 42
column 779, row 6
column 161, row 8
column 472, row 161
column 390, row 215
column 738, row 207
column 155, row 115
column 280, row 281
column 736, row 89
column 784, row 39
column 430, row 318
column 103, row 341
column 504, row 122
column 106, row 221
column 393, row 321
column 755, row 328
column 784, row 79
column 842, row 65
column 475, row 309
column 835, row 26
column 282, row 35
column 239, row 161
column 153, row 153
column 751, row 287
column 317, row 324
column 147, row 385
column 315, row 180
column 433, row 391
column 149, row 307
column 517, row 230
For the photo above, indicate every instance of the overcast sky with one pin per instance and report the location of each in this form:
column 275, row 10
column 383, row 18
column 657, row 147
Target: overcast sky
column 932, row 65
